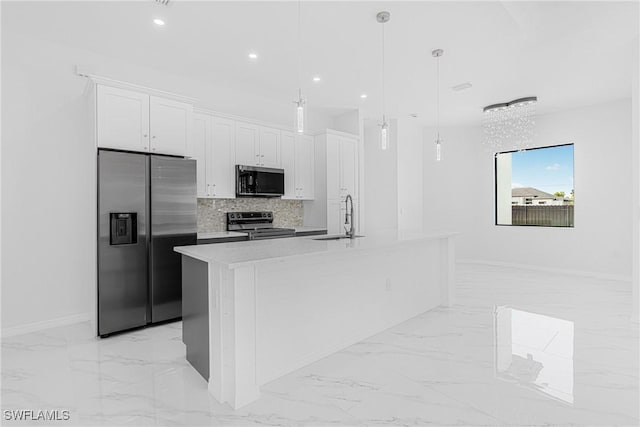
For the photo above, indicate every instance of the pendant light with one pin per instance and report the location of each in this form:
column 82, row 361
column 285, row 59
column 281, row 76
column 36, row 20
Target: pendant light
column 383, row 17
column 437, row 53
column 300, row 103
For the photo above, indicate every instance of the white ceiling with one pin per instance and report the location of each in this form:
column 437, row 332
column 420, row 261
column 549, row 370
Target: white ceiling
column 567, row 53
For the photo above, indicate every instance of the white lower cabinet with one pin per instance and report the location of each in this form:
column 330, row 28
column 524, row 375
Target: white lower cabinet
column 213, row 149
column 298, row 162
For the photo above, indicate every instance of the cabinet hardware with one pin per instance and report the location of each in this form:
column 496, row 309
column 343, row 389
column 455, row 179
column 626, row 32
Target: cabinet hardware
column 145, row 135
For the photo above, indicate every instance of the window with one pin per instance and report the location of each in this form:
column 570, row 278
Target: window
column 535, row 187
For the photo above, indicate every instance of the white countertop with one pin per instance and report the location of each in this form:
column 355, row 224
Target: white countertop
column 220, row 235
column 237, row 254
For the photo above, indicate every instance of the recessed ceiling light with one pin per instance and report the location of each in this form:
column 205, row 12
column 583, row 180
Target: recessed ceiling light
column 253, row 55
column 363, row 96
column 316, row 79
column 159, row 22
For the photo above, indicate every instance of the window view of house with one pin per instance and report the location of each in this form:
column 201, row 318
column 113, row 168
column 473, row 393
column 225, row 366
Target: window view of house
column 535, row 187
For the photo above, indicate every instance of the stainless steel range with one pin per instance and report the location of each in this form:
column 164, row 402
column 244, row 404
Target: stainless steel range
column 258, row 225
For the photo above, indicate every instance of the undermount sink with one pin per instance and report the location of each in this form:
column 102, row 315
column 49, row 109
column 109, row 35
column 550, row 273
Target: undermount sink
column 335, row 237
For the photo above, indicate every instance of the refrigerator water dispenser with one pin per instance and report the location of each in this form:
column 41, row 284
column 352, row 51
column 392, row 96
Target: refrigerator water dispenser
column 124, row 228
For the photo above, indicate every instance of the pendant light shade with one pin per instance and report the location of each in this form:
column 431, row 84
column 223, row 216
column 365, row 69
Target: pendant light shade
column 384, row 135
column 383, row 17
column 300, row 113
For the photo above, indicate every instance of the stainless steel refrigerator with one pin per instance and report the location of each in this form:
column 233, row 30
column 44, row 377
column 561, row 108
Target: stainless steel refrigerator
column 146, row 207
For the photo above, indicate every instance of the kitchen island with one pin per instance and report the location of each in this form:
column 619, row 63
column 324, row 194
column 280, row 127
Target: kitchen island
column 256, row 310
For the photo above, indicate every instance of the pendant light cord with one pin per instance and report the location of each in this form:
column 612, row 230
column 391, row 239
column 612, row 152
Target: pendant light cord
column 383, row 97
column 299, row 54
column 438, row 97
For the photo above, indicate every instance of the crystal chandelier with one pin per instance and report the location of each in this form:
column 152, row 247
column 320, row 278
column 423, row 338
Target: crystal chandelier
column 509, row 125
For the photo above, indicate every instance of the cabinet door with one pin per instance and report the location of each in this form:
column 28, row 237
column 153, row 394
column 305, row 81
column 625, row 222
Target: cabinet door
column 335, row 217
column 222, row 159
column 122, row 119
column 348, row 167
column 201, row 142
column 305, row 166
column 269, row 147
column 247, row 144
column 333, row 168
column 288, row 156
column 171, row 123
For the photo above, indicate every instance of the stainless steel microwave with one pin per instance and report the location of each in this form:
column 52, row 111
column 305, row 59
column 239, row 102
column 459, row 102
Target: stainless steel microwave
column 255, row 181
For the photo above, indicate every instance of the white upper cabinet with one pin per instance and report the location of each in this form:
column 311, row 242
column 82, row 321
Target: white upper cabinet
column 257, row 145
column 269, row 147
column 288, row 157
column 298, row 161
column 200, row 141
column 348, row 167
column 122, row 119
column 247, row 149
column 134, row 121
column 170, row 126
column 342, row 167
column 305, row 167
column 213, row 142
column 222, row 172
column 333, row 168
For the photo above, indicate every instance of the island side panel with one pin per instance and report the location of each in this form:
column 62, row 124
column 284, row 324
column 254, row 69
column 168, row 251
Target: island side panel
column 195, row 313
column 311, row 307
column 238, row 319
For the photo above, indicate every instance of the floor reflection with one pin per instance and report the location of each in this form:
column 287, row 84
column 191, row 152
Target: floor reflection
column 535, row 350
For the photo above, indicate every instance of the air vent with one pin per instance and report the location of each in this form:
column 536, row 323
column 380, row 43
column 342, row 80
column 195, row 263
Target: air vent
column 461, row 87
column 162, row 2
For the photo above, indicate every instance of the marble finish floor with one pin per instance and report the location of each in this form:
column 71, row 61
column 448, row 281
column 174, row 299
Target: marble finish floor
column 519, row 348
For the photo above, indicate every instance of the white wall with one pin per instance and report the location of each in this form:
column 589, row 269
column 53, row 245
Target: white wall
column 503, row 189
column 348, row 122
column 381, row 179
column 635, row 167
column 452, row 191
column 462, row 191
column 48, row 171
column 410, row 174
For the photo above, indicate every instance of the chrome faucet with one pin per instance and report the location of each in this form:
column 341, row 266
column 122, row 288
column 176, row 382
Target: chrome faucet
column 348, row 217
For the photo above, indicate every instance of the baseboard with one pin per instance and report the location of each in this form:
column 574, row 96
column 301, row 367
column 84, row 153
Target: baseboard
column 46, row 324
column 572, row 272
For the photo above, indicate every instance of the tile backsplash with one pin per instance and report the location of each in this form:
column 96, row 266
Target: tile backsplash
column 212, row 212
